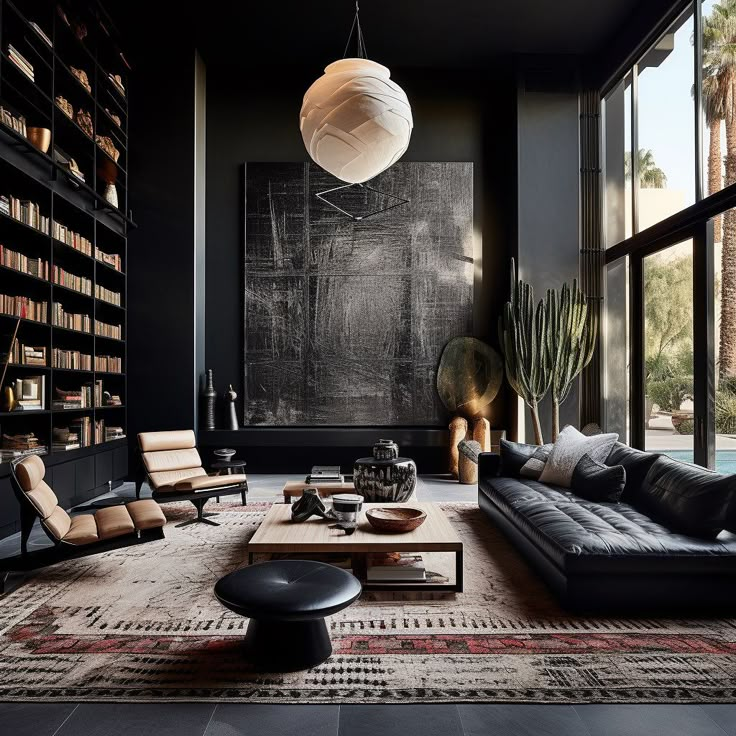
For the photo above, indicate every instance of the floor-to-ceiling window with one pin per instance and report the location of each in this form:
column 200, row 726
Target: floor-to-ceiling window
column 670, row 230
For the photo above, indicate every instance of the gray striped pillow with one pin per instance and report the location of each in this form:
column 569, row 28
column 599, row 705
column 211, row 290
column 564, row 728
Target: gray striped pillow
column 534, row 466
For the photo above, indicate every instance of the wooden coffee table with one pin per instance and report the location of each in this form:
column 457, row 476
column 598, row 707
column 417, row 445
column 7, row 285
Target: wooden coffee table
column 277, row 534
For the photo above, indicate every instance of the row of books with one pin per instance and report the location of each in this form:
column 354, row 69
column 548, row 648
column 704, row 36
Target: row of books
column 30, row 392
column 82, row 398
column 73, row 359
column 396, row 567
column 24, row 355
column 104, row 433
column 32, row 266
column 111, row 259
column 23, row 306
column 78, row 434
column 24, row 211
column 80, row 322
column 105, row 330
column 71, row 238
column 21, row 62
column 71, row 281
column 107, row 295
column 17, row 445
column 16, row 123
column 108, row 363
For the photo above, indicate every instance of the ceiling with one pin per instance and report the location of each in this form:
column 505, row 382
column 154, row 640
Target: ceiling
column 406, row 33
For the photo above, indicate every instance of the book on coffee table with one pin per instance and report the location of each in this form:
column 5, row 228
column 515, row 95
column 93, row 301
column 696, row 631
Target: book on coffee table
column 396, row 567
column 325, row 474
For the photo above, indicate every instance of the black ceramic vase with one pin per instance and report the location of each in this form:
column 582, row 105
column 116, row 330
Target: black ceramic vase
column 385, row 477
column 209, row 396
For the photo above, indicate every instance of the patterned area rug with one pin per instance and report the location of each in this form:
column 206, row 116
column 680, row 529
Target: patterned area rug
column 142, row 625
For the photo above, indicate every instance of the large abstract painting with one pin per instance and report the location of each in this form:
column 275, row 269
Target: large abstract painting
column 345, row 320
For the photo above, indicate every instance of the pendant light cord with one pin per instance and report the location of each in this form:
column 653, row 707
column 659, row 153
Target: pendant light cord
column 356, row 28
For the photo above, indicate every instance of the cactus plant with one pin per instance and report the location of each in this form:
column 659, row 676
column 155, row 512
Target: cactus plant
column 523, row 335
column 571, row 337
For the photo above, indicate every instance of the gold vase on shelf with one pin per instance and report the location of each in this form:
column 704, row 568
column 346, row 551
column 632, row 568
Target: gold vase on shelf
column 8, row 402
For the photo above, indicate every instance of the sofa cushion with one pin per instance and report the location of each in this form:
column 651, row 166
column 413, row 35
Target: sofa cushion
column 82, row 531
column 113, row 521
column 166, row 480
column 570, row 446
column 598, row 481
column 207, row 482
column 30, row 471
column 165, row 460
column 177, row 439
column 146, row 514
column 534, row 466
column 636, row 463
column 514, row 455
column 58, row 522
column 687, row 497
column 586, row 537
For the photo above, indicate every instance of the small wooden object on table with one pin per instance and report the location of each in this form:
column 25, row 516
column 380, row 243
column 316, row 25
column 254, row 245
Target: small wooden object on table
column 278, row 534
column 294, row 489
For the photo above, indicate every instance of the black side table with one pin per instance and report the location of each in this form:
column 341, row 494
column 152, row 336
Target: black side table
column 233, row 466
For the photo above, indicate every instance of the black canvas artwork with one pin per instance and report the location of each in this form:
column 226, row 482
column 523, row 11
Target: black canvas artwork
column 345, row 320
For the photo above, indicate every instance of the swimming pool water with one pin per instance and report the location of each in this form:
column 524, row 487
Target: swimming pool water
column 725, row 459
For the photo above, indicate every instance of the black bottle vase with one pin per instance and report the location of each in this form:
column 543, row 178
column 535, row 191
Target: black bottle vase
column 210, row 396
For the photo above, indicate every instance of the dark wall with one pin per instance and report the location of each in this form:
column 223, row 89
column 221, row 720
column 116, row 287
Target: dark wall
column 457, row 117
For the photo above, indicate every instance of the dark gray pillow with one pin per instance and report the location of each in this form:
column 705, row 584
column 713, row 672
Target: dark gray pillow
column 514, row 455
column 635, row 462
column 534, row 466
column 688, row 498
column 597, row 481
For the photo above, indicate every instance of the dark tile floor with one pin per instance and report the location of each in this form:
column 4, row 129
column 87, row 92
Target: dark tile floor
column 203, row 719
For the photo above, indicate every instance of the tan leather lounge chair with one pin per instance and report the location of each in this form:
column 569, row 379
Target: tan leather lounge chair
column 174, row 471
column 74, row 536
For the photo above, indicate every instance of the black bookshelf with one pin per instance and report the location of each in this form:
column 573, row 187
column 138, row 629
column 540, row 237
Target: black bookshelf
column 81, row 37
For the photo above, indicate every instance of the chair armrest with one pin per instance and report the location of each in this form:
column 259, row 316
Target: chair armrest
column 489, row 464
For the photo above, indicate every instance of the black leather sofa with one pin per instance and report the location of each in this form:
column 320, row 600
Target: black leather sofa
column 610, row 557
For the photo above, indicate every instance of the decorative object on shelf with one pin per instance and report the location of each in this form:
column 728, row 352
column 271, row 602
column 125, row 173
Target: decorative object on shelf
column 468, row 471
column 117, row 82
column 111, row 195
column 62, row 14
column 16, row 123
column 546, row 346
column 40, row 138
column 224, row 453
column 84, row 121
column 115, row 118
column 232, row 419
column 385, row 450
column 80, row 31
column 396, row 521
column 65, row 106
column 355, row 121
column 380, row 479
column 82, row 78
column 209, row 395
column 107, row 145
column 8, row 397
column 458, row 431
column 9, row 403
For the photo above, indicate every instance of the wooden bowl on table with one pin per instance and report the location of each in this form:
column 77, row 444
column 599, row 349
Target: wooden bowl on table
column 397, row 520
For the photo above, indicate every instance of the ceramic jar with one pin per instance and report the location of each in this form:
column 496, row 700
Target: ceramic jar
column 385, row 477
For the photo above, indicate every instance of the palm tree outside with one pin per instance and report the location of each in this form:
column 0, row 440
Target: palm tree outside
column 650, row 175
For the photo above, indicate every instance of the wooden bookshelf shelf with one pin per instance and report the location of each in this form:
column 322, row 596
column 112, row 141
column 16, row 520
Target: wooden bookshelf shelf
column 29, row 174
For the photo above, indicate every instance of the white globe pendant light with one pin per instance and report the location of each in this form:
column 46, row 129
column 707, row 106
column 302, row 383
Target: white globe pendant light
column 355, row 121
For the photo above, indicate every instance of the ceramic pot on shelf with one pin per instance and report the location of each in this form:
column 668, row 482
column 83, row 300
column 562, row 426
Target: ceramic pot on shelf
column 385, row 477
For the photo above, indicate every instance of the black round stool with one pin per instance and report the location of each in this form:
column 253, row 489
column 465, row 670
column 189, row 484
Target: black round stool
column 287, row 601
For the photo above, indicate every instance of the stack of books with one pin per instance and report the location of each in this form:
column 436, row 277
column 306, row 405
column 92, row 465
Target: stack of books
column 64, row 440
column 18, row 124
column 325, row 474
column 24, row 355
column 18, row 262
column 30, row 392
column 21, row 62
column 17, row 445
column 40, row 32
column 24, row 211
column 81, row 399
column 22, row 306
column 396, row 568
column 107, row 434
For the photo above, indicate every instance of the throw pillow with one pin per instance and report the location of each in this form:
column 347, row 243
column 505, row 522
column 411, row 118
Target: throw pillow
column 571, row 445
column 534, row 466
column 598, row 482
column 635, row 462
column 688, row 498
column 514, row 455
